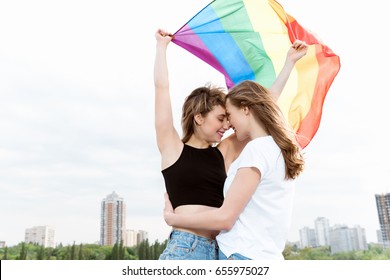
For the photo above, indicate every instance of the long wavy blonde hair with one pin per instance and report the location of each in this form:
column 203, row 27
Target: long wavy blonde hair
column 257, row 98
column 201, row 101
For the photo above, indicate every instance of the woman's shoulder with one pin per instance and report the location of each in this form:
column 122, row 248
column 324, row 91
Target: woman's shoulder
column 263, row 141
column 224, row 145
column 231, row 148
column 258, row 145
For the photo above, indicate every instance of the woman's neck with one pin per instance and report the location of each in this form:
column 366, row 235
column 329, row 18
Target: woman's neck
column 197, row 142
column 258, row 131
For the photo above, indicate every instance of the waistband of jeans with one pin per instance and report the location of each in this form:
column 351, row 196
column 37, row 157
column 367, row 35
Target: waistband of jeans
column 190, row 236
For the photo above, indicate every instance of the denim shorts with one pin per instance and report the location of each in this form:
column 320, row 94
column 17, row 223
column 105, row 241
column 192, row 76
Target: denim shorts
column 233, row 257
column 188, row 246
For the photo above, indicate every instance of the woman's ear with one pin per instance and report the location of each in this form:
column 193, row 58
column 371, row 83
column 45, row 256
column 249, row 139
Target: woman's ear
column 198, row 119
column 246, row 110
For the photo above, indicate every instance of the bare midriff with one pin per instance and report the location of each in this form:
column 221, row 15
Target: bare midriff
column 192, row 209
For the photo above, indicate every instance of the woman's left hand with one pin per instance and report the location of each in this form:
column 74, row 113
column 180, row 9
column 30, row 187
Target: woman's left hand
column 297, row 51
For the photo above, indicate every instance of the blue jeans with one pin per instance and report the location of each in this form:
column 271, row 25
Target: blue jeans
column 233, row 257
column 188, row 246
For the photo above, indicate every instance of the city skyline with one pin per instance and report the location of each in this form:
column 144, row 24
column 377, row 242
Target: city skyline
column 339, row 237
column 143, row 235
column 77, row 118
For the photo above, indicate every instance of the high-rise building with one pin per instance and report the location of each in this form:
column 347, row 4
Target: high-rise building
column 345, row 239
column 340, row 239
column 112, row 220
column 41, row 235
column 307, row 237
column 141, row 236
column 135, row 237
column 322, row 231
column 359, row 238
column 379, row 236
column 383, row 206
column 131, row 237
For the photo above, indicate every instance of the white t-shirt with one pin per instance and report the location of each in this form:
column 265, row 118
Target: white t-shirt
column 261, row 230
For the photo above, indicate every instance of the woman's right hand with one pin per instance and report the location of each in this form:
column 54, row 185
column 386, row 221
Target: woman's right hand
column 168, row 210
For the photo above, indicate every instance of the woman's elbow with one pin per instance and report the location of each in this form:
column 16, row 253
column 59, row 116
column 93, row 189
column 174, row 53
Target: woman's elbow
column 227, row 223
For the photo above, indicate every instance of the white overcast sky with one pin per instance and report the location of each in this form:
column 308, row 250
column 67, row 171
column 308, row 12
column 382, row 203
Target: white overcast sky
column 76, row 114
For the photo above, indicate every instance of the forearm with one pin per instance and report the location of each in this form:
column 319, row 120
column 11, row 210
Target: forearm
column 161, row 79
column 163, row 111
column 210, row 220
column 243, row 187
column 165, row 131
column 281, row 80
column 295, row 53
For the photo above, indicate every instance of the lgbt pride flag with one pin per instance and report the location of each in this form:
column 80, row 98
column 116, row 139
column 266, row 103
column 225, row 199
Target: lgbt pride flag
column 249, row 40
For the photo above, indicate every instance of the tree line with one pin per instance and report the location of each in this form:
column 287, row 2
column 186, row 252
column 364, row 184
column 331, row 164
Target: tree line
column 151, row 251
column 29, row 251
column 374, row 252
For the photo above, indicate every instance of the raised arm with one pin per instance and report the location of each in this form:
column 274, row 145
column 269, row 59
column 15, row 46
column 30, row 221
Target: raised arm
column 223, row 218
column 296, row 52
column 168, row 140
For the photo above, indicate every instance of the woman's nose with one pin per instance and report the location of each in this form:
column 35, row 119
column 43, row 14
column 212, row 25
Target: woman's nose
column 227, row 125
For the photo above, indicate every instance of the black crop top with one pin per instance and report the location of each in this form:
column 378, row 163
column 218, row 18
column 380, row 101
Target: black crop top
column 197, row 177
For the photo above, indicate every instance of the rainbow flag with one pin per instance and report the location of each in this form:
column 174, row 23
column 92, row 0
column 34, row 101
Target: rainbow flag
column 249, row 40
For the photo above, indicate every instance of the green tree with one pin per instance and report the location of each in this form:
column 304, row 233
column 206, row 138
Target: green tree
column 121, row 251
column 49, row 252
column 141, row 251
column 73, row 251
column 5, row 256
column 23, row 252
column 41, row 253
column 81, row 255
column 67, row 255
column 156, row 250
column 115, row 252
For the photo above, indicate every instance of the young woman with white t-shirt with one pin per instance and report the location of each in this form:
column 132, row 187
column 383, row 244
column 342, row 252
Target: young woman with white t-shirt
column 255, row 216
